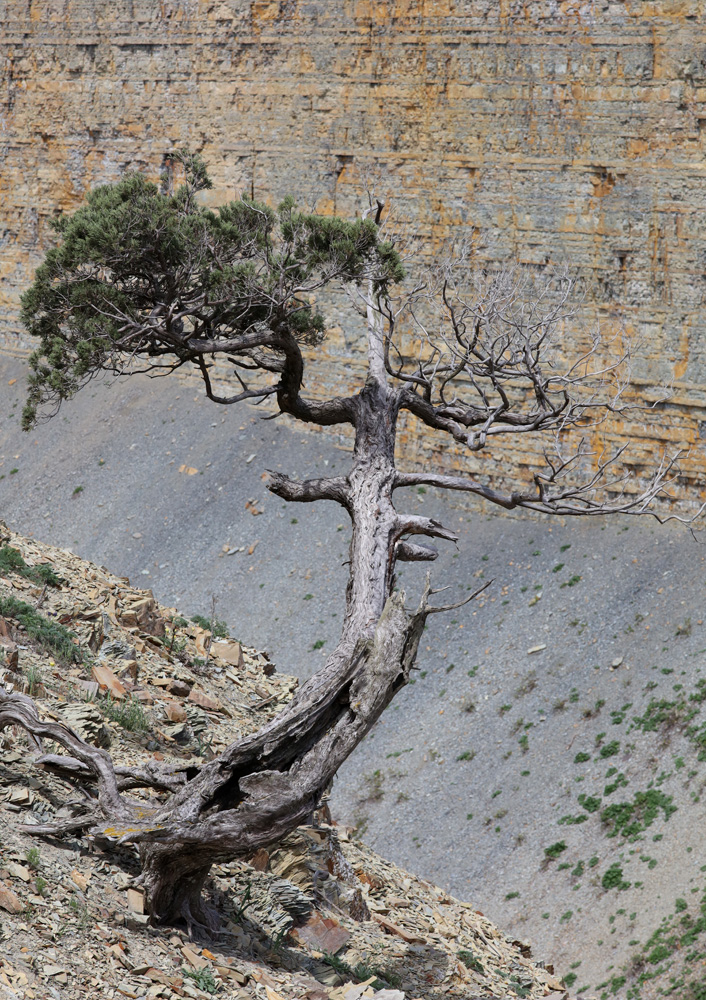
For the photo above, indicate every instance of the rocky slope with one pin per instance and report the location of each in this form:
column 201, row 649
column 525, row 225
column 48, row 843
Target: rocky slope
column 523, row 683
column 317, row 917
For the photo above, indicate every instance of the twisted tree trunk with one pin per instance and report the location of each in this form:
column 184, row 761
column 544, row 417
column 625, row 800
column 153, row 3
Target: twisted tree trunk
column 264, row 785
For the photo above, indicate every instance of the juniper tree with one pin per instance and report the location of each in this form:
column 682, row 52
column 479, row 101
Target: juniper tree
column 145, row 278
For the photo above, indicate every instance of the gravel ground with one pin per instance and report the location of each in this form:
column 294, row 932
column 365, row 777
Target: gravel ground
column 466, row 777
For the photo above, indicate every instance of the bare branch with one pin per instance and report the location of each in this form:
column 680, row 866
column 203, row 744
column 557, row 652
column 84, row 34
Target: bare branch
column 19, row 710
column 411, row 552
column 452, row 607
column 412, row 524
column 556, row 495
column 335, row 488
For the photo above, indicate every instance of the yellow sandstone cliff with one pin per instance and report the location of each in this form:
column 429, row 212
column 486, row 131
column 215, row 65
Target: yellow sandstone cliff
column 566, row 131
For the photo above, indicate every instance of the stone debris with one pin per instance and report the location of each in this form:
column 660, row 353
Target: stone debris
column 87, row 721
column 315, row 917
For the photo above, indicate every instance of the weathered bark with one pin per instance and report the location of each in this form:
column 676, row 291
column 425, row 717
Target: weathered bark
column 265, row 784
column 173, row 885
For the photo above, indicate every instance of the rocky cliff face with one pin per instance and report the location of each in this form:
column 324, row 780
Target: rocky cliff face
column 564, row 130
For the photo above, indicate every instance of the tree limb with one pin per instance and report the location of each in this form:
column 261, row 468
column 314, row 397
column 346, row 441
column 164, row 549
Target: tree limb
column 336, row 488
column 20, row 710
column 411, row 552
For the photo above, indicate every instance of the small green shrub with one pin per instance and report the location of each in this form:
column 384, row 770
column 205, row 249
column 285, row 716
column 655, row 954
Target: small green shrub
column 555, row 849
column 203, row 979
column 50, row 635
column 79, row 911
column 613, row 878
column 11, row 561
column 130, row 713
column 631, row 818
column 581, row 757
column 217, row 627
column 471, row 961
column 362, row 971
column 590, row 803
column 620, row 782
column 34, row 680
column 610, row 749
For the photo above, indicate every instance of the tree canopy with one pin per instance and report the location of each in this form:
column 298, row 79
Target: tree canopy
column 141, row 272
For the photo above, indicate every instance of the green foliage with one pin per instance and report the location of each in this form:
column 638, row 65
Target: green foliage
column 138, row 266
column 11, row 561
column 361, row 971
column 613, row 878
column 620, row 782
column 129, row 713
column 610, row 749
column 204, row 979
column 590, row 803
column 49, row 635
column 572, row 820
column 659, row 714
column 581, row 757
column 79, row 911
column 471, row 961
column 631, row 818
column 555, row 849
column 34, row 680
column 33, row 857
column 217, row 627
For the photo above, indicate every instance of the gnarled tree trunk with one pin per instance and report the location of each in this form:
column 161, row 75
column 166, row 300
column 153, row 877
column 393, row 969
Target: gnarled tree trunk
column 264, row 785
